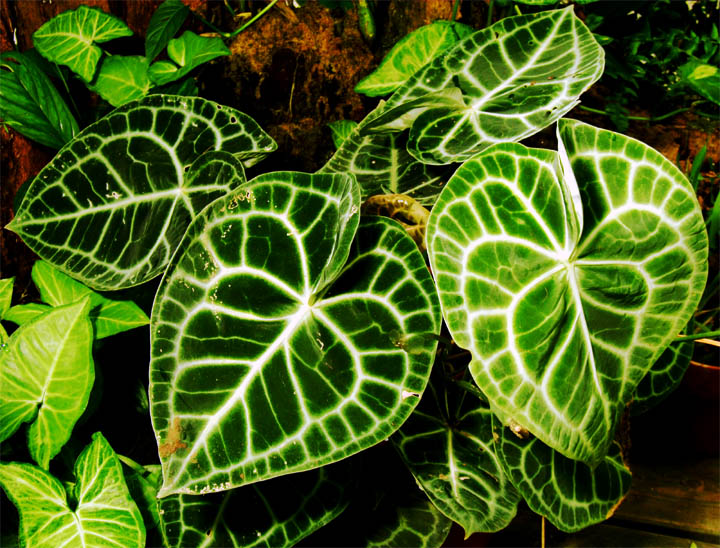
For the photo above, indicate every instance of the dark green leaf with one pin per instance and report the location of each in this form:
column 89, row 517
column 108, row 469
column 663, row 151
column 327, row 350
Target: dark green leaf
column 664, row 376
column 164, row 23
column 341, row 129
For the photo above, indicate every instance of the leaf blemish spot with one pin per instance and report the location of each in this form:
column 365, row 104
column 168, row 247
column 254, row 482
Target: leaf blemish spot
column 174, row 440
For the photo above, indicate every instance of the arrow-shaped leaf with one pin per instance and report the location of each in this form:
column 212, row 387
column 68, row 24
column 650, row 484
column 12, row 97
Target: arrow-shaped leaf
column 186, row 52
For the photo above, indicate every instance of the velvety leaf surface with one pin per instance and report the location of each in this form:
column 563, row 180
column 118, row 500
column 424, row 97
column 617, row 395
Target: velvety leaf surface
column 30, row 104
column 108, row 316
column 515, row 78
column 122, row 78
column 164, row 23
column 541, row 291
column 111, row 207
column 105, row 514
column 448, row 445
column 567, row 492
column 270, row 354
column 186, row 53
column 664, row 376
column 46, row 373
column 69, row 38
column 409, row 54
column 279, row 512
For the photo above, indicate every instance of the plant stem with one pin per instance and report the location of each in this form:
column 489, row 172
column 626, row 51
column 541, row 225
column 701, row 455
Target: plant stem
column 469, row 387
column 211, row 26
column 489, row 15
column 258, row 15
column 642, row 118
column 132, row 464
column 456, row 5
column 696, row 336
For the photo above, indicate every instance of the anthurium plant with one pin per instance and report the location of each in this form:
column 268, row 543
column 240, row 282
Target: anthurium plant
column 298, row 344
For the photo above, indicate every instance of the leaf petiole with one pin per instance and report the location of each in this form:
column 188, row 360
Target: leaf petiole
column 696, row 336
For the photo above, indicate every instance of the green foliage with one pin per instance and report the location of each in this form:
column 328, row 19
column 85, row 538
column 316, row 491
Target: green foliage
column 164, row 24
column 186, row 53
column 122, row 79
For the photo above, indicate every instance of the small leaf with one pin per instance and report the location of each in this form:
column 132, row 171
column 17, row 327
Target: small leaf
column 570, row 494
column 703, row 78
column 186, row 52
column 341, row 129
column 30, row 104
column 664, row 376
column 108, row 316
column 69, row 38
column 105, row 515
column 409, row 54
column 164, row 23
column 46, row 373
column 21, row 314
column 143, row 486
column 6, row 290
column 122, row 79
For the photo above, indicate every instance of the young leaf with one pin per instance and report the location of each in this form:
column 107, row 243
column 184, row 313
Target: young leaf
column 447, row 443
column 46, row 373
column 105, row 514
column 277, row 513
column 21, row 314
column 69, row 38
column 341, row 129
column 664, row 376
column 122, row 79
column 703, row 78
column 409, row 54
column 30, row 104
column 516, row 77
column 186, row 52
column 164, row 23
column 270, row 354
column 109, row 317
column 111, row 207
column 541, row 292
column 6, row 290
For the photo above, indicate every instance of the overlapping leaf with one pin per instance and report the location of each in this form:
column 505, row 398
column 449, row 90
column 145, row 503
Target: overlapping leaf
column 567, row 492
column 448, row 445
column 23, row 313
column 102, row 513
column 122, row 78
column 270, row 355
column 542, row 288
column 186, row 53
column 46, row 373
column 164, row 23
column 111, row 207
column 69, row 38
column 277, row 513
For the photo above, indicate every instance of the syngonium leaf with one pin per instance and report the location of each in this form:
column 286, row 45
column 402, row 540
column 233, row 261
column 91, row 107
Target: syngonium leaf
column 164, row 23
column 270, row 354
column 703, row 78
column 108, row 316
column 23, row 313
column 582, row 265
column 6, row 290
column 447, row 443
column 47, row 373
column 30, row 103
column 111, row 207
column 122, row 78
column 104, row 515
column 279, row 512
column 515, row 78
column 341, row 130
column 664, row 376
column 567, row 492
column 411, row 53
column 186, row 53
column 69, row 38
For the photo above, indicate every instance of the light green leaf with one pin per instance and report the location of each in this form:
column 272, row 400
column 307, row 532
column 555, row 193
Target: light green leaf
column 703, row 78
column 186, row 52
column 122, row 79
column 111, row 207
column 516, row 77
column 569, row 493
column 30, row 104
column 580, row 266
column 409, row 54
column 164, row 23
column 46, row 373
column 24, row 313
column 105, row 515
column 664, row 377
column 270, row 354
column 341, row 129
column 448, row 445
column 108, row 316
column 69, row 38
column 276, row 513
column 6, row 290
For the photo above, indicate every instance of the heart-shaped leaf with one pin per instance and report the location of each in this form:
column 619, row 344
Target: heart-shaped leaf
column 579, row 266
column 46, row 373
column 69, row 38
column 104, row 515
column 664, row 377
column 122, row 78
column 448, row 445
column 186, row 52
column 516, row 77
column 567, row 492
column 111, row 207
column 164, row 23
column 30, row 104
column 277, row 513
column 108, row 316
column 411, row 53
column 270, row 355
